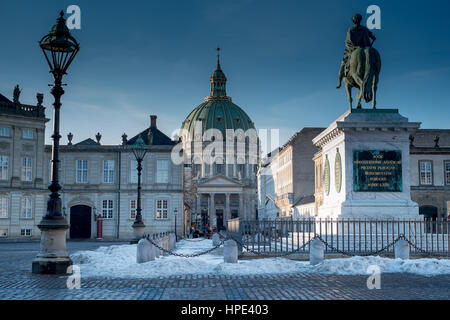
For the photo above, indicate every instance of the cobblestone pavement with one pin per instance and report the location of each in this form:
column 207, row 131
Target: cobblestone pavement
column 17, row 282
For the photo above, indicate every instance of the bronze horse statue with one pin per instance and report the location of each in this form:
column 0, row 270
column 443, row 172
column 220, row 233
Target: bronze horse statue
column 363, row 74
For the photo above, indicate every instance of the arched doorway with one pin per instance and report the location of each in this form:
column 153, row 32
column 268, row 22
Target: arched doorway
column 430, row 213
column 80, row 222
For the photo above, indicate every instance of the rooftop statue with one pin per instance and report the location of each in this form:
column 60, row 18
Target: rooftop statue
column 361, row 65
column 16, row 94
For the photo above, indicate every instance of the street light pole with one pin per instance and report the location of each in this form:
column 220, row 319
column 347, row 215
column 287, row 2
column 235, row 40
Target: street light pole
column 139, row 149
column 175, row 211
column 59, row 49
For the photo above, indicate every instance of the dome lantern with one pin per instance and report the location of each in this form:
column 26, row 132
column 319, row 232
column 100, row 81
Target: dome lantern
column 218, row 80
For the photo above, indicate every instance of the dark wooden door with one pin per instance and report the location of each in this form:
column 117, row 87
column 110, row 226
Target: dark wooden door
column 219, row 215
column 80, row 222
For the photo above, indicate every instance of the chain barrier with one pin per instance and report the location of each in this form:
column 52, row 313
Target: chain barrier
column 190, row 240
column 413, row 245
column 360, row 254
column 334, row 249
column 288, row 253
column 272, row 254
column 193, row 255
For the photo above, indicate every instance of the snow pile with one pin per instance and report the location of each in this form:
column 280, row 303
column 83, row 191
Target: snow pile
column 120, row 262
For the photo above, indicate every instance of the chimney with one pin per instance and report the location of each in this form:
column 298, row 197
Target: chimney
column 153, row 121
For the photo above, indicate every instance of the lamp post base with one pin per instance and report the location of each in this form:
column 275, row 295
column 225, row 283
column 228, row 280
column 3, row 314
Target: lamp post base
column 138, row 231
column 53, row 257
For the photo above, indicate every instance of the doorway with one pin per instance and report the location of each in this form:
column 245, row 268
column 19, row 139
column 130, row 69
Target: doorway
column 219, row 217
column 80, row 222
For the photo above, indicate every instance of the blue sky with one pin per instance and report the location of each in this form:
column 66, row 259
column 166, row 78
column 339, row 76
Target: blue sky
column 281, row 58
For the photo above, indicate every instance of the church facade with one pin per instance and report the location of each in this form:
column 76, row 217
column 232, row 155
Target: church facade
column 221, row 154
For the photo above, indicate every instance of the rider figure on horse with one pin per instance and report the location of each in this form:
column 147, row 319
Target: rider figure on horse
column 357, row 36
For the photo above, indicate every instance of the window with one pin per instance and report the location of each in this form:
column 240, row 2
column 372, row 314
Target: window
column 447, row 172
column 107, row 209
column 240, row 170
column 27, row 169
column 133, row 209
column 108, row 171
column 161, row 209
column 4, row 160
column 27, row 212
column 218, row 168
column 3, row 206
column 82, row 171
column 28, row 134
column 197, row 170
column 25, row 232
column 3, row 233
column 426, row 172
column 133, row 171
column 5, row 132
column 162, row 171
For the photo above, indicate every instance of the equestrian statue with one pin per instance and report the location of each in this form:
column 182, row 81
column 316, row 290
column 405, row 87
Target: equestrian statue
column 361, row 65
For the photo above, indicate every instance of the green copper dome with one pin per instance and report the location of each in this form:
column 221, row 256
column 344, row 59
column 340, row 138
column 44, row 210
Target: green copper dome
column 218, row 111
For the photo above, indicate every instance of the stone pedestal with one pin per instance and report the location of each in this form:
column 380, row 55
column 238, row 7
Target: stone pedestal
column 53, row 257
column 138, row 231
column 366, row 168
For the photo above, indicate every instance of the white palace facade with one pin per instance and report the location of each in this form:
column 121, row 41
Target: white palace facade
column 96, row 179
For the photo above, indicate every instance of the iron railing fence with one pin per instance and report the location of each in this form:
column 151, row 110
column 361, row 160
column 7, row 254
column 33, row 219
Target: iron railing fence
column 356, row 236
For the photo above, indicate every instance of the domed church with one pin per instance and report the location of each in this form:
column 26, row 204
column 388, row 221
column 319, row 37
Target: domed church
column 221, row 150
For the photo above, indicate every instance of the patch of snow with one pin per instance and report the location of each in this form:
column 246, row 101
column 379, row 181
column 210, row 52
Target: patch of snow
column 119, row 261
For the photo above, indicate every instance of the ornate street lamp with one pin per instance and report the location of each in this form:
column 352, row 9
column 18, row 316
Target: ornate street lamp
column 59, row 49
column 139, row 149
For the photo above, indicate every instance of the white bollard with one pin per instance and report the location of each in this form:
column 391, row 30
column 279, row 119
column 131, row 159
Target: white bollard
column 230, row 252
column 401, row 249
column 316, row 252
column 144, row 251
column 215, row 239
column 173, row 241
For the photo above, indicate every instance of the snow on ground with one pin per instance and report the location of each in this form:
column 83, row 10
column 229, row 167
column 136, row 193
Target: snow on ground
column 120, row 262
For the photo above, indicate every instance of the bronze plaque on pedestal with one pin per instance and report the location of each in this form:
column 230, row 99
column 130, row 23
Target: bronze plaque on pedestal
column 377, row 171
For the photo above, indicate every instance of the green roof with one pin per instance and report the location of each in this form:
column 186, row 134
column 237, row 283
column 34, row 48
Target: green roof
column 218, row 111
column 218, row 114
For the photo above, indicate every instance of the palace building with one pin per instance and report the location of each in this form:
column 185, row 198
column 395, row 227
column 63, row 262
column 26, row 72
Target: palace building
column 97, row 179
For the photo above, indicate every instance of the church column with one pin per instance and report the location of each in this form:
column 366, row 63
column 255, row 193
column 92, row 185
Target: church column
column 241, row 206
column 198, row 211
column 212, row 212
column 227, row 207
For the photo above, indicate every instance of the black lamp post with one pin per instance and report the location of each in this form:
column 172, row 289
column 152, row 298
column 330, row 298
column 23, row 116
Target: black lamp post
column 139, row 149
column 59, row 49
column 175, row 211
